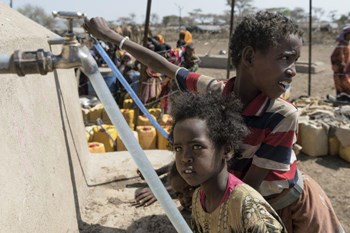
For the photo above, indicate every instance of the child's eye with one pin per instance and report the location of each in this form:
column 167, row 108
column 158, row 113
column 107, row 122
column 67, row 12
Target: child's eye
column 177, row 148
column 197, row 147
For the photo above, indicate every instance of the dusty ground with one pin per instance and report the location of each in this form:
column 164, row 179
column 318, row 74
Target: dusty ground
column 108, row 208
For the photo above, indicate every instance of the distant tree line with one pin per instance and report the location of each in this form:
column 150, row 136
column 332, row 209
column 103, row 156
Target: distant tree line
column 196, row 16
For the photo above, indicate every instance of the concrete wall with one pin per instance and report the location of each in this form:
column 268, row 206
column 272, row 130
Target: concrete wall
column 42, row 134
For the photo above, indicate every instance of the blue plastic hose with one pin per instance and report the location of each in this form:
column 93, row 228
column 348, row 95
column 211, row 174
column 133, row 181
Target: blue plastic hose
column 128, row 88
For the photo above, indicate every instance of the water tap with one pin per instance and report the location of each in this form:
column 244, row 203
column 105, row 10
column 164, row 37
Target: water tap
column 70, row 54
column 42, row 62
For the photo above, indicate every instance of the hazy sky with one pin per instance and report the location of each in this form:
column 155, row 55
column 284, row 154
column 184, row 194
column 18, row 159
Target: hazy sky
column 113, row 9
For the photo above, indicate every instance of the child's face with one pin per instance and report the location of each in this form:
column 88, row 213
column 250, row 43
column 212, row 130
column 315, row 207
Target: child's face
column 274, row 69
column 197, row 160
column 183, row 191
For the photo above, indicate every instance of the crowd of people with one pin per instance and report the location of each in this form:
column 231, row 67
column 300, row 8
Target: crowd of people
column 155, row 85
column 233, row 140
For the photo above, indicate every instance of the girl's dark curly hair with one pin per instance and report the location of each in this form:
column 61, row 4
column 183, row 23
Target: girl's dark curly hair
column 261, row 32
column 221, row 113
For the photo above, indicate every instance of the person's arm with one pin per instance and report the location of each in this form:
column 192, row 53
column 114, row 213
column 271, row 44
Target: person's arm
column 255, row 175
column 99, row 28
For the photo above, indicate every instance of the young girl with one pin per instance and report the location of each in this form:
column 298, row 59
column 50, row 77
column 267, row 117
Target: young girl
column 206, row 131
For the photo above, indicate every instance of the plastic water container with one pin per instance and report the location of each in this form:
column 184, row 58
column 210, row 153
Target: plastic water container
column 127, row 103
column 333, row 146
column 105, row 118
column 85, row 114
column 96, row 147
column 162, row 142
column 129, row 115
column 144, row 121
column 107, row 134
column 156, row 112
column 344, row 152
column 95, row 113
column 120, row 144
column 147, row 137
column 165, row 120
column 89, row 133
column 314, row 138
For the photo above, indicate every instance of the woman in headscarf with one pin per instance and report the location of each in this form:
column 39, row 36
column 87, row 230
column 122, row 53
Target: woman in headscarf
column 340, row 59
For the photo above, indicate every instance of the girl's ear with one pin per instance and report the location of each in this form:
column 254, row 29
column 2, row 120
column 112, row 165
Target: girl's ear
column 228, row 152
column 248, row 56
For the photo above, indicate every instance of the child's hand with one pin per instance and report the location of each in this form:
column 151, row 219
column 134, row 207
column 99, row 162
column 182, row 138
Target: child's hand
column 144, row 197
column 98, row 27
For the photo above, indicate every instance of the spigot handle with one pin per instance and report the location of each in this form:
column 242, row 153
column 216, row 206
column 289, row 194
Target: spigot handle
column 69, row 15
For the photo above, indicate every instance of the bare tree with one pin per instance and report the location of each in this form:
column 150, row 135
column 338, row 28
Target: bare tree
column 242, row 6
column 38, row 15
column 154, row 19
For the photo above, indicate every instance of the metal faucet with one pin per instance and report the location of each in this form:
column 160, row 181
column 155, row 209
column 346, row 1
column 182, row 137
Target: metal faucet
column 42, row 62
column 70, row 54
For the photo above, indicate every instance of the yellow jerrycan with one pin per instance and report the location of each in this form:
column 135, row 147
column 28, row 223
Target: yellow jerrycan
column 106, row 134
column 147, row 137
column 96, row 147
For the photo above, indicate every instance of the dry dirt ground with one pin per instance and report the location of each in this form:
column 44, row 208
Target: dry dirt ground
column 108, row 208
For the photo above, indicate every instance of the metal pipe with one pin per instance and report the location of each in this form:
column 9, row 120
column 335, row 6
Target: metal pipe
column 6, row 64
column 27, row 62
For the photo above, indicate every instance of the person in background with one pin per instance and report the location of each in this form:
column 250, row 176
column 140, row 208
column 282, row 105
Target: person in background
column 340, row 59
column 159, row 45
column 185, row 37
column 189, row 59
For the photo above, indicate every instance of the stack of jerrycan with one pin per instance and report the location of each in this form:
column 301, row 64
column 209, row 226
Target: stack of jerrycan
column 103, row 137
column 322, row 130
column 101, row 134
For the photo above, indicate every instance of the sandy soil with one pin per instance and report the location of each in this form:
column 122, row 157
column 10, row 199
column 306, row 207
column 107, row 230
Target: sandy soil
column 108, row 208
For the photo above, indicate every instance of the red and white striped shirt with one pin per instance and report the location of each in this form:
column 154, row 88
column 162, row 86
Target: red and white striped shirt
column 273, row 128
